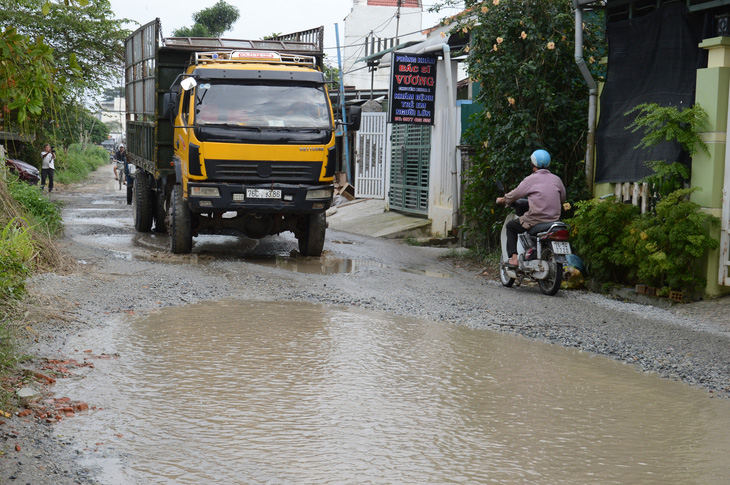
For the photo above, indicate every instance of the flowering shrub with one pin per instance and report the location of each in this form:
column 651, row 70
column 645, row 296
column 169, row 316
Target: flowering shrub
column 533, row 96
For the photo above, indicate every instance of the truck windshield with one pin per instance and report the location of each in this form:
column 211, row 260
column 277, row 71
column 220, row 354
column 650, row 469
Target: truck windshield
column 264, row 107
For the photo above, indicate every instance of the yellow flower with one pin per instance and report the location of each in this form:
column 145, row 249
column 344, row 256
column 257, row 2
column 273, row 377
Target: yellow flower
column 495, row 47
column 592, row 59
column 486, row 144
column 489, row 115
column 495, row 2
column 499, row 40
column 465, row 30
column 644, row 236
column 551, row 45
column 566, row 206
column 563, row 39
column 511, row 101
column 466, row 49
column 485, row 9
column 523, row 35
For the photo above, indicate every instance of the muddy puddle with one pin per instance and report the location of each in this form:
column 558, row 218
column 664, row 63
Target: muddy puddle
column 215, row 248
column 239, row 392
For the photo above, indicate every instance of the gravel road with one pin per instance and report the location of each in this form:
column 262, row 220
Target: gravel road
column 118, row 273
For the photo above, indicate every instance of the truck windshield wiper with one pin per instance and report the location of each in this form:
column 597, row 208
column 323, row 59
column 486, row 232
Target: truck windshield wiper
column 233, row 125
column 306, row 129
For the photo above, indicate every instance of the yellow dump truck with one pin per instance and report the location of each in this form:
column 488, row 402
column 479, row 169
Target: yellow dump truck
column 230, row 136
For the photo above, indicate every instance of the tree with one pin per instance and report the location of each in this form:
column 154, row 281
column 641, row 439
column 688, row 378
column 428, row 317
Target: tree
column 26, row 79
column 87, row 41
column 532, row 94
column 51, row 55
column 211, row 22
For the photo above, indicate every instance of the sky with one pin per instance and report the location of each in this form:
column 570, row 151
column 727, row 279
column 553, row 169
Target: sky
column 258, row 18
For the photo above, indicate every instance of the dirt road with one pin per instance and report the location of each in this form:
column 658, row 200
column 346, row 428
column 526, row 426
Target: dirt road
column 119, row 274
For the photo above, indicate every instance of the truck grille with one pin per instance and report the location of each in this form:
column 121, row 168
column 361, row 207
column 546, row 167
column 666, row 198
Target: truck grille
column 255, row 171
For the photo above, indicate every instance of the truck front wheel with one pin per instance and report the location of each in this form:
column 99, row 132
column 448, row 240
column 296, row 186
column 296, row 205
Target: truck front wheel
column 180, row 220
column 142, row 203
column 311, row 239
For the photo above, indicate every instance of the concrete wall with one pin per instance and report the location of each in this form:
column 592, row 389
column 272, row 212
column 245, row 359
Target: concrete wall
column 446, row 134
column 708, row 172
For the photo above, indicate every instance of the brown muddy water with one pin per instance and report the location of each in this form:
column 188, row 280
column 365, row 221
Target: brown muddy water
column 240, row 392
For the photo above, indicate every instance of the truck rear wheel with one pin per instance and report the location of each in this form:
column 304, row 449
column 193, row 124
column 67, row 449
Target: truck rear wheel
column 142, row 203
column 311, row 239
column 181, row 230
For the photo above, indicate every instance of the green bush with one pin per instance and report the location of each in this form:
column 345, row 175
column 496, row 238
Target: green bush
column 666, row 246
column 598, row 230
column 662, row 248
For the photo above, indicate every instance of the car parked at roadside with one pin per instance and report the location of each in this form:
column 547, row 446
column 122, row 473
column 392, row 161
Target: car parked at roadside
column 24, row 171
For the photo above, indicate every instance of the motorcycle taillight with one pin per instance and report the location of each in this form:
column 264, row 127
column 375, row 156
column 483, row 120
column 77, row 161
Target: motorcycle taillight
column 559, row 235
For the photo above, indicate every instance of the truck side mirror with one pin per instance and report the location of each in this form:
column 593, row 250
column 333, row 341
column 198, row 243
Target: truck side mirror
column 169, row 105
column 188, row 83
column 355, row 117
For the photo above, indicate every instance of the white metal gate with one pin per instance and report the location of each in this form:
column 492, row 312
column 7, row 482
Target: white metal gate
column 371, row 159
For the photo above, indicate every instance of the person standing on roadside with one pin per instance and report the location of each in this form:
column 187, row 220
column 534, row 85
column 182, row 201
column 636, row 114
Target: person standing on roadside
column 48, row 166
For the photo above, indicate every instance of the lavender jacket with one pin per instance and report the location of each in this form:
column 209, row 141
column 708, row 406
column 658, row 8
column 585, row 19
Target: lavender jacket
column 546, row 194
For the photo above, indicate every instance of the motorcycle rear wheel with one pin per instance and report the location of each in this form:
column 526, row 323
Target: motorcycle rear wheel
column 551, row 283
column 506, row 280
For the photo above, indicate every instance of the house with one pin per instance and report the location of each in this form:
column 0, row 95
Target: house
column 416, row 168
column 373, row 26
column 672, row 53
column 112, row 113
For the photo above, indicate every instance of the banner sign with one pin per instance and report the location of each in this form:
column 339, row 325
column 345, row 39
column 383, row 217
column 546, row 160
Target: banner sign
column 412, row 88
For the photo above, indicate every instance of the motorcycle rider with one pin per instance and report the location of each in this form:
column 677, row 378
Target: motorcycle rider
column 545, row 193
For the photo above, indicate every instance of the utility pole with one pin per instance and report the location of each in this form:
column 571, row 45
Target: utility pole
column 397, row 22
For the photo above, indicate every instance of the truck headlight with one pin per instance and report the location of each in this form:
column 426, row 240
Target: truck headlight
column 325, row 193
column 204, row 192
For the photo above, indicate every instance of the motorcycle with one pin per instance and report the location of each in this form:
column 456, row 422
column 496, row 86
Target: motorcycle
column 541, row 251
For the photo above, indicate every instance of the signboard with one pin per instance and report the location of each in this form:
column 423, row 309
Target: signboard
column 412, row 88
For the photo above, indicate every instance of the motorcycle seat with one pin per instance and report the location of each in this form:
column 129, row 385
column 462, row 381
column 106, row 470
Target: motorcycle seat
column 545, row 226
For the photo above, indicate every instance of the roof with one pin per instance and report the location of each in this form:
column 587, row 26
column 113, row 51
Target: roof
column 442, row 34
column 394, row 3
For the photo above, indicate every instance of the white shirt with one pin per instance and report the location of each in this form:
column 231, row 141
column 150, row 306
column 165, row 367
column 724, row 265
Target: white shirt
column 47, row 160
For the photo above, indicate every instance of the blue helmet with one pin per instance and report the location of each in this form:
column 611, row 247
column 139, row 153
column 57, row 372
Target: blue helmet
column 540, row 159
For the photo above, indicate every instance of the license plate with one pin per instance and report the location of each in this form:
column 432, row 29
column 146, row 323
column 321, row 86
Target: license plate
column 263, row 194
column 560, row 247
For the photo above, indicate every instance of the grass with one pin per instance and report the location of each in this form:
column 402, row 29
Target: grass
column 28, row 223
column 76, row 163
column 412, row 241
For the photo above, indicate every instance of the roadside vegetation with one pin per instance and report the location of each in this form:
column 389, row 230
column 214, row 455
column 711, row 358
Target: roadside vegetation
column 29, row 222
column 663, row 247
column 532, row 95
